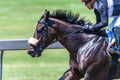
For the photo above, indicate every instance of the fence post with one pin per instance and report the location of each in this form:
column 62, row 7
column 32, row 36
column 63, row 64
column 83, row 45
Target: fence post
column 1, row 57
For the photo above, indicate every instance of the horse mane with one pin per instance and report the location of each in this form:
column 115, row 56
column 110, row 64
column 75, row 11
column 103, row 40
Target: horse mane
column 70, row 17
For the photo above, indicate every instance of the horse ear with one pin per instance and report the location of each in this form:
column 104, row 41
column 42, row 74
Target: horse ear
column 46, row 14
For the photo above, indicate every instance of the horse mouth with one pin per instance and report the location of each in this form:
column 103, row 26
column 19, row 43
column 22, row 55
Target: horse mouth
column 34, row 53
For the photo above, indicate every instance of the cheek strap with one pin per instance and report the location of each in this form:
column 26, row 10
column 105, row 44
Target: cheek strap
column 33, row 41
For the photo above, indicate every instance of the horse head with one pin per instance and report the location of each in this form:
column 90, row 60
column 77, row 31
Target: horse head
column 54, row 27
column 44, row 34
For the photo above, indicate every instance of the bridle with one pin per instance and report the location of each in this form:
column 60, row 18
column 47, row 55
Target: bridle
column 60, row 38
column 47, row 27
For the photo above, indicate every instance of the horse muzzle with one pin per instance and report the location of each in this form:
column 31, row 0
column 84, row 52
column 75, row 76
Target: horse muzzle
column 35, row 53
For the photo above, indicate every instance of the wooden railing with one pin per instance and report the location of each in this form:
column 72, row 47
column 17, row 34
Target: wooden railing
column 18, row 44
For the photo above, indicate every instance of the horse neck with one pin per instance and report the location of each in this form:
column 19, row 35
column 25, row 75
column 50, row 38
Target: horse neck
column 72, row 42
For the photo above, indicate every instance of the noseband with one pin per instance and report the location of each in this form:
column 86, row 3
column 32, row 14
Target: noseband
column 46, row 27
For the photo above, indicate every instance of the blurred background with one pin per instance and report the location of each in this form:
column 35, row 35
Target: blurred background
column 18, row 19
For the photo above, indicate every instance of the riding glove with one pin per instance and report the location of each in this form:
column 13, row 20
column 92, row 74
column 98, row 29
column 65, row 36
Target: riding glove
column 88, row 27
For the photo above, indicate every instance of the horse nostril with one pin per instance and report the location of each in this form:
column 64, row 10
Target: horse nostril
column 35, row 52
column 31, row 53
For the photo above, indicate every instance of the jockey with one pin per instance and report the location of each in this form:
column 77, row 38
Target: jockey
column 104, row 9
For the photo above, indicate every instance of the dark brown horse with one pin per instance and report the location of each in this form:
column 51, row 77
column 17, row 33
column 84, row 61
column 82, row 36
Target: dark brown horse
column 89, row 58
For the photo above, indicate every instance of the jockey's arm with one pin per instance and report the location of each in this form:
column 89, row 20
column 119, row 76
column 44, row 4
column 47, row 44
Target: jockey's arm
column 103, row 15
column 102, row 10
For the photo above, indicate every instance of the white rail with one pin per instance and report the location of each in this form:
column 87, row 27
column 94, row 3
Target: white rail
column 18, row 44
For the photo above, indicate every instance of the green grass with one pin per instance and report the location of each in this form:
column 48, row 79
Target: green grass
column 18, row 19
column 20, row 66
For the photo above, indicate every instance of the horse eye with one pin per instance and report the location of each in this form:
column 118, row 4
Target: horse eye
column 38, row 29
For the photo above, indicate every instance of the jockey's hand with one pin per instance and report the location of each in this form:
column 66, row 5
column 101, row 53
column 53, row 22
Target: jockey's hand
column 88, row 27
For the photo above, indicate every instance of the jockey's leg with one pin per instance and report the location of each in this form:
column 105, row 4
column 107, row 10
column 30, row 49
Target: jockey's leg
column 114, row 43
column 116, row 31
column 112, row 38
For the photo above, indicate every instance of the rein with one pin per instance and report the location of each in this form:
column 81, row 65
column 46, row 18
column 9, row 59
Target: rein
column 65, row 36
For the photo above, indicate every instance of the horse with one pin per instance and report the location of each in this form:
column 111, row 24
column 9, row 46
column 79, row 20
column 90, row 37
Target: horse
column 88, row 54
